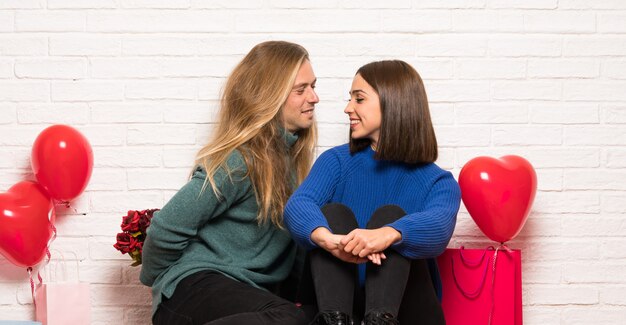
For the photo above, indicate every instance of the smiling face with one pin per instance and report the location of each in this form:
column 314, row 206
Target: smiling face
column 297, row 113
column 364, row 112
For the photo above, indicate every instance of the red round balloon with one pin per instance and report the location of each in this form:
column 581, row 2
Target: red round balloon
column 498, row 194
column 26, row 223
column 62, row 161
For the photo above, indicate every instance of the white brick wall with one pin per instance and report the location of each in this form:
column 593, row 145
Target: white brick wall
column 544, row 79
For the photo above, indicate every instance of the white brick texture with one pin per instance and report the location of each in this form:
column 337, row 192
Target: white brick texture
column 543, row 79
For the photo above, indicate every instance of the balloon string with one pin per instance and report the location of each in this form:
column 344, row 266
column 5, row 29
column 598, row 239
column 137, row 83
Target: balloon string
column 32, row 284
column 48, row 258
column 54, row 236
column 67, row 205
column 493, row 279
column 33, row 292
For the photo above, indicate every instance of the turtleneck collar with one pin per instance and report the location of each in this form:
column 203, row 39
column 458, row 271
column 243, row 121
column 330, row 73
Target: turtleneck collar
column 289, row 137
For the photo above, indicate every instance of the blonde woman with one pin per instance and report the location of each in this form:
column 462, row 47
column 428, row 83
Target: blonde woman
column 219, row 244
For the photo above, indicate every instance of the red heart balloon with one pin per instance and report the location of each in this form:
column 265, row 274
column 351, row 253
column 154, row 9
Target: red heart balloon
column 498, row 194
column 62, row 161
column 26, row 223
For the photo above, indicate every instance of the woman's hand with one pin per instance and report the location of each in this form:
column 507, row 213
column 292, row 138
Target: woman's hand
column 330, row 242
column 376, row 258
column 363, row 242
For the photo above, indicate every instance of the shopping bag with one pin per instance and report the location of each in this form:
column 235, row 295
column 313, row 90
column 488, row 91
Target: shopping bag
column 62, row 301
column 474, row 294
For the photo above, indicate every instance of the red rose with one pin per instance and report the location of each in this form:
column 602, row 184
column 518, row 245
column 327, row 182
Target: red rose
column 131, row 221
column 134, row 226
column 144, row 221
column 123, row 242
column 134, row 244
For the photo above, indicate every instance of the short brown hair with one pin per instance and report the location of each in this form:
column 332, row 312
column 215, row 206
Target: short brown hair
column 406, row 132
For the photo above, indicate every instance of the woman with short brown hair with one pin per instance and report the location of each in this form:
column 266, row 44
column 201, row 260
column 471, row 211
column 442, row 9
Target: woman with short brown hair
column 375, row 213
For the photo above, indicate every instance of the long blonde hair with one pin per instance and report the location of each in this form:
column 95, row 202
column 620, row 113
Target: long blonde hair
column 250, row 121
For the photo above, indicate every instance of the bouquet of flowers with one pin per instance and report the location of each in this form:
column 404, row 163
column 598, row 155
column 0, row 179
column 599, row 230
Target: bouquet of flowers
column 134, row 226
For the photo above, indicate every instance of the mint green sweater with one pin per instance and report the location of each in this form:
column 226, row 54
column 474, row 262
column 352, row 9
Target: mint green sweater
column 196, row 231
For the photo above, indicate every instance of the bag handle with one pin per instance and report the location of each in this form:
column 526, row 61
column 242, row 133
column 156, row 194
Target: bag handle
column 63, row 264
column 473, row 263
column 476, row 292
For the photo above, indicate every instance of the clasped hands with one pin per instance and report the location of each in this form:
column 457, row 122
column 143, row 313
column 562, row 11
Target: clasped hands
column 358, row 246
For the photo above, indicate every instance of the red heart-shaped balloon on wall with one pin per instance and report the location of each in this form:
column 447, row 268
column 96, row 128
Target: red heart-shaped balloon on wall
column 26, row 223
column 498, row 194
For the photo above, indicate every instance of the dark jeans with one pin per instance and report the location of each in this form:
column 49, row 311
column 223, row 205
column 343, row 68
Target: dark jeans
column 209, row 297
column 399, row 286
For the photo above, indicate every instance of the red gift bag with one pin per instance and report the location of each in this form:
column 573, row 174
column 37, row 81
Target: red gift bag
column 474, row 294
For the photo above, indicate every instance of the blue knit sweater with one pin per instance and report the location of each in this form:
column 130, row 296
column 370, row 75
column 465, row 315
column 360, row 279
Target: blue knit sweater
column 429, row 194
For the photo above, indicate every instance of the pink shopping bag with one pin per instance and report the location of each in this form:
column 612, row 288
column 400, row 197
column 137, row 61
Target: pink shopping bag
column 474, row 294
column 63, row 302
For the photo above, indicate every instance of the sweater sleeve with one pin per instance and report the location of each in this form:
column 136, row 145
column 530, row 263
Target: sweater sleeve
column 303, row 210
column 178, row 221
column 425, row 234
